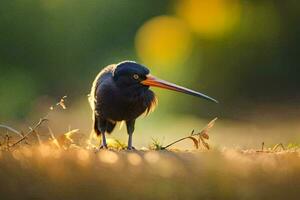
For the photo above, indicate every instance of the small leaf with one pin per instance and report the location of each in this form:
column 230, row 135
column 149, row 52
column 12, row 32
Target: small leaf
column 205, row 144
column 204, row 132
column 192, row 133
column 211, row 123
column 66, row 138
column 62, row 102
column 205, row 136
column 117, row 144
column 70, row 133
column 196, row 143
column 53, row 139
column 156, row 145
column 277, row 146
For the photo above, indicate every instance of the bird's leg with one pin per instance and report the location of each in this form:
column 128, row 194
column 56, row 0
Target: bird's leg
column 130, row 130
column 129, row 146
column 102, row 128
column 103, row 141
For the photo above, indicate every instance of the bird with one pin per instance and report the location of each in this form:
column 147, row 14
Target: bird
column 121, row 92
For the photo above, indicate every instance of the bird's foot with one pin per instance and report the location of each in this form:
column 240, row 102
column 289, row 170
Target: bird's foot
column 131, row 148
column 101, row 147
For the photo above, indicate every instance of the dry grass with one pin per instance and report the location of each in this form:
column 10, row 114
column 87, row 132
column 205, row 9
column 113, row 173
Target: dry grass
column 39, row 164
column 48, row 172
column 68, row 167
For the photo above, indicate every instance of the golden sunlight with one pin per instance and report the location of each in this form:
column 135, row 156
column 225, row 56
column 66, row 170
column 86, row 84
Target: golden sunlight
column 45, row 151
column 212, row 18
column 163, row 41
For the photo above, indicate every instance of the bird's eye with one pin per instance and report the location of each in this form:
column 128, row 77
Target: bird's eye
column 136, row 77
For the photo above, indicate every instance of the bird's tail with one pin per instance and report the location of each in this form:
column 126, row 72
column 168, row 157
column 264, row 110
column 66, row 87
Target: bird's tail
column 96, row 128
column 109, row 126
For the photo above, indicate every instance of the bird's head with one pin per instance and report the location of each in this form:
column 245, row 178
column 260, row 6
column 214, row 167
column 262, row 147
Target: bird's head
column 130, row 74
column 133, row 75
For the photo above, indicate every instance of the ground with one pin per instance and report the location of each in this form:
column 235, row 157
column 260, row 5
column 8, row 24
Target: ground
column 48, row 172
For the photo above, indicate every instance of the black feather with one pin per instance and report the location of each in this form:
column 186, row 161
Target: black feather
column 116, row 96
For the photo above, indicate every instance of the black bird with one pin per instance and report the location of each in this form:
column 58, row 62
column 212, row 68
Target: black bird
column 120, row 92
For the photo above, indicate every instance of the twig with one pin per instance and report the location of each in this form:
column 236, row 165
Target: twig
column 11, row 130
column 7, row 141
column 278, row 145
column 29, row 132
column 202, row 134
column 179, row 140
column 23, row 136
column 37, row 135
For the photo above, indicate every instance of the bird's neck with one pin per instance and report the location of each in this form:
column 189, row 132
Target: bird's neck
column 134, row 91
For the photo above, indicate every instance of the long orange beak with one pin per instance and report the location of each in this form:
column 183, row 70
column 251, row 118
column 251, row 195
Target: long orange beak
column 153, row 81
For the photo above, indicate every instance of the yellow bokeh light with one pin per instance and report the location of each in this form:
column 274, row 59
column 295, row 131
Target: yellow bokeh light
column 134, row 159
column 152, row 157
column 163, row 41
column 83, row 155
column 108, row 157
column 211, row 18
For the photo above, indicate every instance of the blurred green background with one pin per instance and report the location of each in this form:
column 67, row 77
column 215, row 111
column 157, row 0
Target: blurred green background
column 244, row 53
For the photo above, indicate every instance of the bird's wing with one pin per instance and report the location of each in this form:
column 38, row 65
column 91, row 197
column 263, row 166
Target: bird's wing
column 103, row 74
